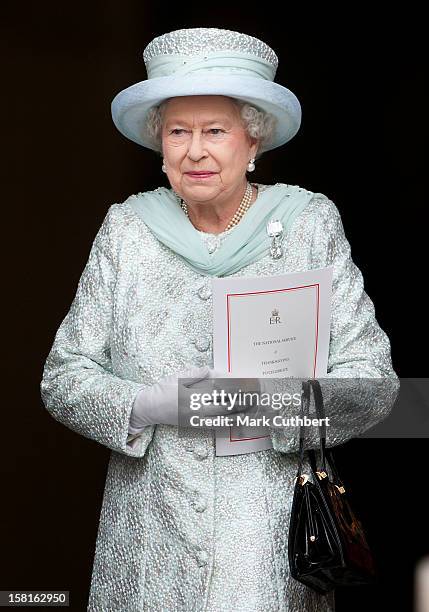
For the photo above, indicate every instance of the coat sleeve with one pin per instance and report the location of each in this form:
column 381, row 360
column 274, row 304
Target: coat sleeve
column 78, row 386
column 361, row 386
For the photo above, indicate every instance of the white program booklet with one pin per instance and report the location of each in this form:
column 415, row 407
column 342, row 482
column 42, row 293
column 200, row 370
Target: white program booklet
column 274, row 327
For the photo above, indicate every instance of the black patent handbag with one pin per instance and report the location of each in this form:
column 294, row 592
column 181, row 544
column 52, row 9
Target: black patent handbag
column 327, row 546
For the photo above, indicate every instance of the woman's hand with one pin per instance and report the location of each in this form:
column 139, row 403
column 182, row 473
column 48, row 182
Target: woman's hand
column 161, row 403
column 261, row 392
column 234, row 384
column 231, row 401
column 234, row 387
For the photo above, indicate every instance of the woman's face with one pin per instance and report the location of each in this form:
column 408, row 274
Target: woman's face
column 205, row 133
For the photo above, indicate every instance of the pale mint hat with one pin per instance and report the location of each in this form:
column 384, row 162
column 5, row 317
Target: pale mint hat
column 207, row 61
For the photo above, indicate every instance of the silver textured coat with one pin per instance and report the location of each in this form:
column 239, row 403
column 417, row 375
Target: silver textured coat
column 181, row 529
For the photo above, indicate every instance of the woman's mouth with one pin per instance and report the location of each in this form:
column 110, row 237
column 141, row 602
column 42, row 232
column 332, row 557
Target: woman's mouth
column 200, row 175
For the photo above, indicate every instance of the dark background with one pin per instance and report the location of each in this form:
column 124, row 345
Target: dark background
column 359, row 78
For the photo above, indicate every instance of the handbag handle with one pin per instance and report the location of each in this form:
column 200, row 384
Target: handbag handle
column 307, row 385
column 320, row 413
column 336, row 477
column 305, row 400
column 327, row 454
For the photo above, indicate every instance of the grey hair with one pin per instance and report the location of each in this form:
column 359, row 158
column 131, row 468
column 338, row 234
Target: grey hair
column 258, row 123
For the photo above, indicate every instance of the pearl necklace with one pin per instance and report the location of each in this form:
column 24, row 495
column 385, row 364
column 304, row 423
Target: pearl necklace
column 243, row 207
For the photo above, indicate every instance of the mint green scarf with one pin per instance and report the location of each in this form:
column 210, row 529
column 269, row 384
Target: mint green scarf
column 161, row 211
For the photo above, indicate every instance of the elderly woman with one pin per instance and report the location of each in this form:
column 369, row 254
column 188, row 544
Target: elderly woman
column 181, row 528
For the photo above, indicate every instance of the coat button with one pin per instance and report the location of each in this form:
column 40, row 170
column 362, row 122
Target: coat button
column 202, row 344
column 200, row 452
column 199, row 505
column 202, row 558
column 204, row 292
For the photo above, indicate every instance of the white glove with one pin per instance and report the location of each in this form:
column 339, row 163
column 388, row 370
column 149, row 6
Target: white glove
column 236, row 384
column 261, row 387
column 159, row 403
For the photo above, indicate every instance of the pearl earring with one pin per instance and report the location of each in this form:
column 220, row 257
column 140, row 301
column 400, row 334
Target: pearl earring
column 251, row 165
column 164, row 169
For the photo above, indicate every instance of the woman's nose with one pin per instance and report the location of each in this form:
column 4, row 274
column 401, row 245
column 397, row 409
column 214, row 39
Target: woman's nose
column 196, row 146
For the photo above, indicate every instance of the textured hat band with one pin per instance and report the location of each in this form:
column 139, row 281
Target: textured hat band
column 224, row 62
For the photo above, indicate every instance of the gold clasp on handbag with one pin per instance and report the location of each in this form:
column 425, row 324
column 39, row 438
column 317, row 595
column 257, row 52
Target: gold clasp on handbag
column 303, row 479
column 341, row 489
column 322, row 475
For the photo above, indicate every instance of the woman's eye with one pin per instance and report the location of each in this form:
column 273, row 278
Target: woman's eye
column 176, row 130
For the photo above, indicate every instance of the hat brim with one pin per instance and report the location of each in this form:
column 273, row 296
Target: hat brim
column 131, row 105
